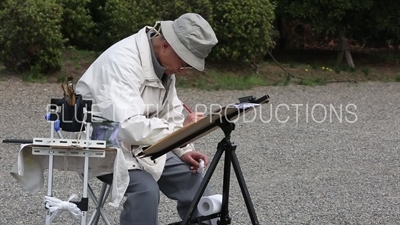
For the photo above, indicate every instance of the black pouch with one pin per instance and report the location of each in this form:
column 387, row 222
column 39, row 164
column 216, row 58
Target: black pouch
column 71, row 116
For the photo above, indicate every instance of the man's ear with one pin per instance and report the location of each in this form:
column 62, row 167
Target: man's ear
column 165, row 45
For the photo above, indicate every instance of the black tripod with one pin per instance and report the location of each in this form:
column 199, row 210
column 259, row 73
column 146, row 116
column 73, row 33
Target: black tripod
column 227, row 147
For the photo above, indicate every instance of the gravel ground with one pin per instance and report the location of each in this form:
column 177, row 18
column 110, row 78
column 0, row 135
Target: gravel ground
column 313, row 155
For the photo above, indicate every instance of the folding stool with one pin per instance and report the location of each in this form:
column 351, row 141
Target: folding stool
column 98, row 202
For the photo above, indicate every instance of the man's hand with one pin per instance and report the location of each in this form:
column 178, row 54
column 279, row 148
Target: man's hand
column 193, row 117
column 193, row 159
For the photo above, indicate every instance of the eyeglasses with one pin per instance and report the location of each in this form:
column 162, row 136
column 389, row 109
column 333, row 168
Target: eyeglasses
column 186, row 68
column 184, row 65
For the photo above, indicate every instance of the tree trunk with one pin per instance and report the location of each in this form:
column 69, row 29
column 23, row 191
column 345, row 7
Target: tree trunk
column 344, row 48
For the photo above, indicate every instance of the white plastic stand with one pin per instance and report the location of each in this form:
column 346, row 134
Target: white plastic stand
column 68, row 148
column 52, row 149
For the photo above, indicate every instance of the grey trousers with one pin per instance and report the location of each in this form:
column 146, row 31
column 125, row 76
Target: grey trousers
column 177, row 182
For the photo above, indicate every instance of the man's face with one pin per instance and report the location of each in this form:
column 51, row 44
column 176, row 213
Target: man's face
column 172, row 63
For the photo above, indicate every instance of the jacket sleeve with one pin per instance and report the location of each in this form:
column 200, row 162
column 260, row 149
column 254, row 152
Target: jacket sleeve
column 121, row 101
column 135, row 127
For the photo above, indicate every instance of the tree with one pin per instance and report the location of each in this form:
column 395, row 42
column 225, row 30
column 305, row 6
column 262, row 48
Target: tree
column 332, row 17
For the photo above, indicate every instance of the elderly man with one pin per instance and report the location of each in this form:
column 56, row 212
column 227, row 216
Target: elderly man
column 133, row 83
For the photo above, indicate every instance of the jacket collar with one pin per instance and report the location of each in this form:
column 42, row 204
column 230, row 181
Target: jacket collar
column 143, row 45
column 158, row 69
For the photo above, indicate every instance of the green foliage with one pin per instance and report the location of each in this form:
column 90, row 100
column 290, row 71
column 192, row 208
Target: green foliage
column 62, row 78
column 365, row 71
column 337, row 69
column 325, row 15
column 173, row 9
column 346, row 68
column 33, row 33
column 397, row 79
column 95, row 8
column 243, row 29
column 30, row 37
column 77, row 24
column 381, row 23
column 118, row 19
column 34, row 75
column 363, row 20
column 287, row 79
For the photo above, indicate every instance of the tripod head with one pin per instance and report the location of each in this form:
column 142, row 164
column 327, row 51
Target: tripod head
column 248, row 99
column 227, row 126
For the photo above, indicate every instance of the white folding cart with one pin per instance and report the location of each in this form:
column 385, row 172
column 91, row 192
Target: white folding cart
column 72, row 118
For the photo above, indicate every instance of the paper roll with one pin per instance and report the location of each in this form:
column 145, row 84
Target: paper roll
column 209, row 205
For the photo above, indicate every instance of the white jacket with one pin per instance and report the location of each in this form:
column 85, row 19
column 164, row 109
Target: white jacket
column 124, row 88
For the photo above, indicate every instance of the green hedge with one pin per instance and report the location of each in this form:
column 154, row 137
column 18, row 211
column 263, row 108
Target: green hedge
column 118, row 19
column 33, row 32
column 243, row 29
column 173, row 9
column 77, row 25
column 30, row 37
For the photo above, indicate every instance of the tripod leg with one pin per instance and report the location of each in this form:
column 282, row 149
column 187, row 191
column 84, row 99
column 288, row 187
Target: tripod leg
column 225, row 219
column 202, row 187
column 243, row 188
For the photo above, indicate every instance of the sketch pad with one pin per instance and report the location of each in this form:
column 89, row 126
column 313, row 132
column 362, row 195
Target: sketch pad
column 194, row 131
